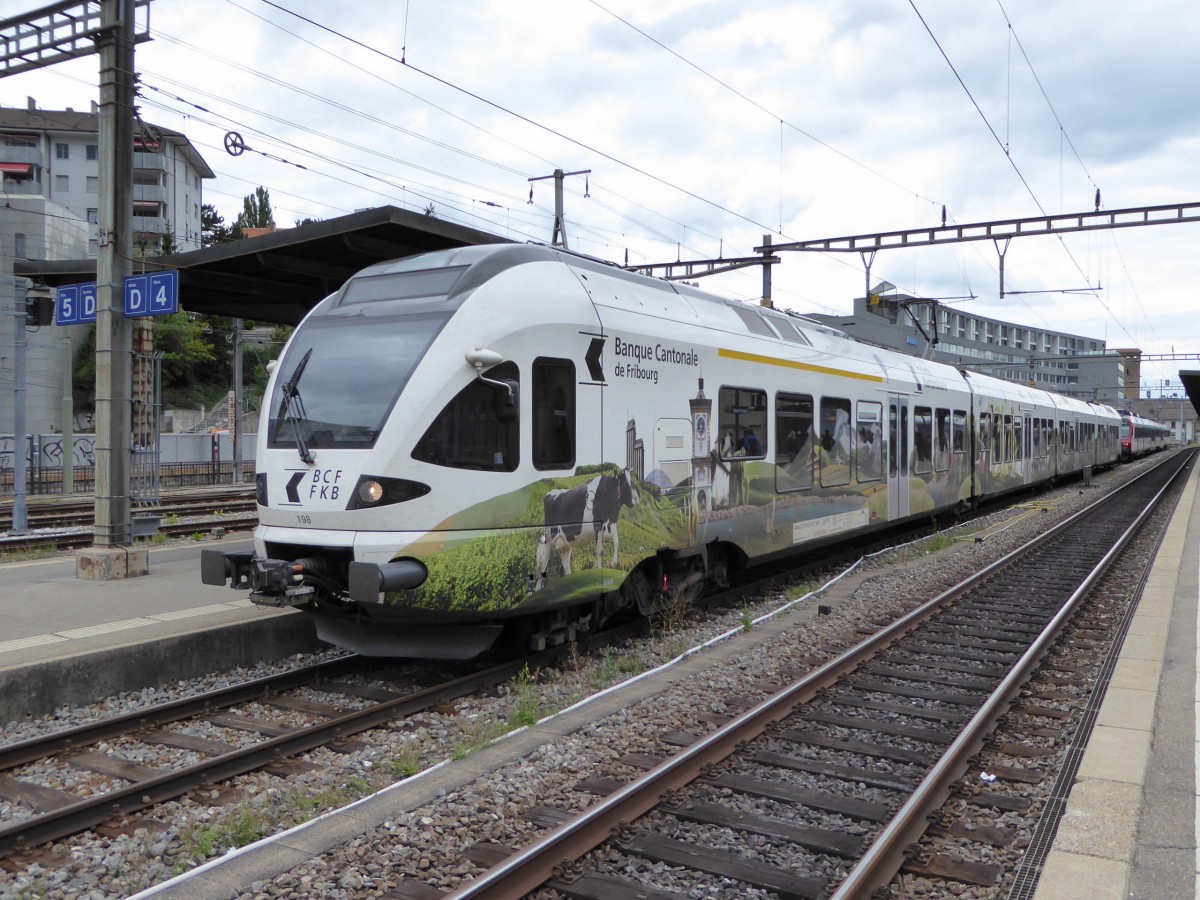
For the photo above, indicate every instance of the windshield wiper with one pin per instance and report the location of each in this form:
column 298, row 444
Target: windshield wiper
column 291, row 407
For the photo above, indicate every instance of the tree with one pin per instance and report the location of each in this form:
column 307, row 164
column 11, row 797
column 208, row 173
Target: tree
column 256, row 210
column 213, row 229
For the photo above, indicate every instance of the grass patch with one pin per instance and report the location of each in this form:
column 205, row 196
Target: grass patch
column 31, row 553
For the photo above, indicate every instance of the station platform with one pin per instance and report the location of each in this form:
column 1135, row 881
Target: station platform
column 69, row 641
column 1131, row 820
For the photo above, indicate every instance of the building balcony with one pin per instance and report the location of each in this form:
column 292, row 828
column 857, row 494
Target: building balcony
column 20, row 153
column 154, row 161
column 153, row 225
column 149, row 193
column 24, row 188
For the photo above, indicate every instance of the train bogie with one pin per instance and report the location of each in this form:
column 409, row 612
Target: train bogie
column 520, row 437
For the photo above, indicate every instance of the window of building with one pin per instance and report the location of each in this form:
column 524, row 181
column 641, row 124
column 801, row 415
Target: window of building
column 19, row 249
column 62, row 183
column 93, row 216
column 93, row 151
column 62, row 151
column 93, row 184
column 742, row 422
column 793, row 442
column 553, row 414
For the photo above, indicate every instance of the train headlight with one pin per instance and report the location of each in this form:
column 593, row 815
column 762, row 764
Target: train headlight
column 376, row 490
column 370, row 492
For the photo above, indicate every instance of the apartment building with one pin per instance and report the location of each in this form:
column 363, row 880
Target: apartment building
column 55, row 154
column 1059, row 361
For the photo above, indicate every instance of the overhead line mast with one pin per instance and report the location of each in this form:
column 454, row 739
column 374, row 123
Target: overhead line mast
column 998, row 231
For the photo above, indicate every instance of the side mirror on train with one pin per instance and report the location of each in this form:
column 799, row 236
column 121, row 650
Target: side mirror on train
column 506, row 395
column 506, row 401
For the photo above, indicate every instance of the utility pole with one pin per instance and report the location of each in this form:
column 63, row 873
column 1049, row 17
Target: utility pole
column 20, row 519
column 559, row 238
column 237, row 400
column 113, row 332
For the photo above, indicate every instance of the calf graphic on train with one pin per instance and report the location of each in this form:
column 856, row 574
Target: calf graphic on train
column 528, row 441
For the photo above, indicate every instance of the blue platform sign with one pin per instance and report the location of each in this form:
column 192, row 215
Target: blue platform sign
column 152, row 295
column 75, row 304
column 145, row 295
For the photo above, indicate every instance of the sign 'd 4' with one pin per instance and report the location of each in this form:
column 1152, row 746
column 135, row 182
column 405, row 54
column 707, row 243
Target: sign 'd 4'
column 156, row 294
column 152, row 295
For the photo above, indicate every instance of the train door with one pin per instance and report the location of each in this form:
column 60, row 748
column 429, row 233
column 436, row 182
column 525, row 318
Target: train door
column 898, row 438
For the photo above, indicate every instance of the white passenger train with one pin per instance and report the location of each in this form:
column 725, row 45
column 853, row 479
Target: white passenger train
column 1140, row 435
column 518, row 435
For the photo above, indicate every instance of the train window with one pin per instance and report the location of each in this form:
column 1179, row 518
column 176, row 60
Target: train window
column 323, row 370
column 893, row 442
column 1035, row 438
column 793, row 442
column 985, row 432
column 553, row 414
column 742, row 422
column 479, row 428
column 997, row 439
column 835, row 441
column 1018, row 438
column 922, row 440
column 941, row 444
column 1007, row 439
column 868, row 435
column 958, row 431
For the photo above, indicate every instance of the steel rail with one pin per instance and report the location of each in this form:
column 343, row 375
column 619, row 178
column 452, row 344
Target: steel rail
column 883, row 859
column 85, row 814
column 72, row 739
column 536, row 864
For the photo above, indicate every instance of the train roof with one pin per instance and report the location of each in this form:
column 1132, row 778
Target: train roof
column 484, row 262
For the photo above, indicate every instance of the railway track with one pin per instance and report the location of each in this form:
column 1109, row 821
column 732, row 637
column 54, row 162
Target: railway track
column 78, row 511
column 65, row 523
column 351, row 702
column 885, row 731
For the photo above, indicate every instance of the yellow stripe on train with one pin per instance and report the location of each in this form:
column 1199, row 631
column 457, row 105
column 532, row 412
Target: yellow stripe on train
column 792, row 364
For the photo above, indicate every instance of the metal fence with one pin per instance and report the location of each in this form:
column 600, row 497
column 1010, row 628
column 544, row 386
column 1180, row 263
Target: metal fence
column 185, row 460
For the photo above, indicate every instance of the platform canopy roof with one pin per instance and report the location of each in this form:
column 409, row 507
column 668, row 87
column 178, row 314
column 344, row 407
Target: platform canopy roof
column 1191, row 384
column 278, row 277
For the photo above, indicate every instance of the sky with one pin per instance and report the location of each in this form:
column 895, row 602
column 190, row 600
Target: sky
column 707, row 124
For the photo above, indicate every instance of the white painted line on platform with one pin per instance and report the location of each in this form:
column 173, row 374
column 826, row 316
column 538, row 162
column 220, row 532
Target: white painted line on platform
column 106, row 628
column 188, row 613
column 124, row 625
column 24, row 643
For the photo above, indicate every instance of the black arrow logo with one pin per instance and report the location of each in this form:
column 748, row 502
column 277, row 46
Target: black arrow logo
column 293, row 483
column 592, row 358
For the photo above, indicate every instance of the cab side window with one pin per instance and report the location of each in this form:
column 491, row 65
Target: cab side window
column 480, row 427
column 553, row 414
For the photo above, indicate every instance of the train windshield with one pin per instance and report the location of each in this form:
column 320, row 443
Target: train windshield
column 357, row 368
